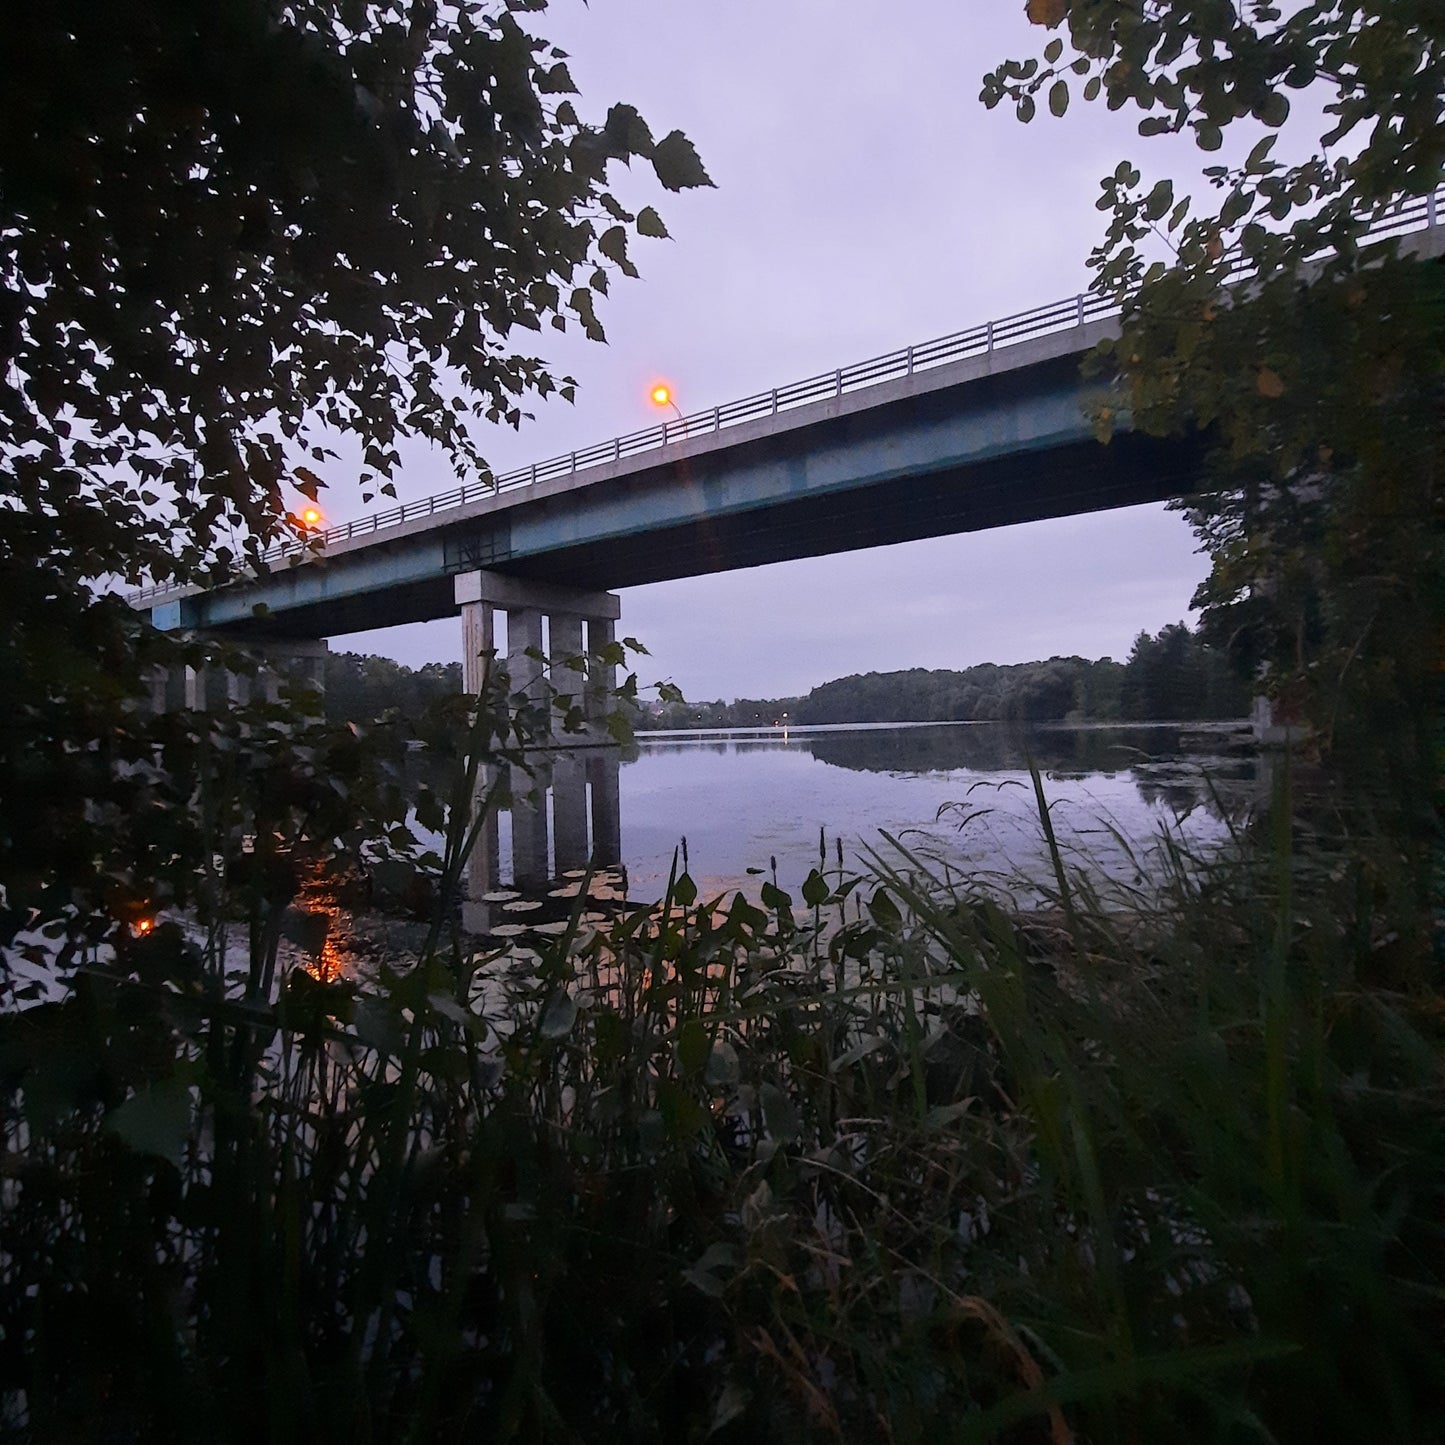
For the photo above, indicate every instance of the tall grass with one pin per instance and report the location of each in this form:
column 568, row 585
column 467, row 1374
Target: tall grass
column 892, row 1161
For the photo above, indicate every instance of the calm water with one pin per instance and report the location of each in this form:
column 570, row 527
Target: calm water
column 958, row 792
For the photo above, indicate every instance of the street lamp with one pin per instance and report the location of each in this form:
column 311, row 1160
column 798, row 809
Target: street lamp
column 661, row 395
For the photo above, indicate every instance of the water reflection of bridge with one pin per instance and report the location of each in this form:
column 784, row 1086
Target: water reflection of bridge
column 565, row 813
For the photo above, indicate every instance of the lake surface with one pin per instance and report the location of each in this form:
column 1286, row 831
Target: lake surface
column 960, row 793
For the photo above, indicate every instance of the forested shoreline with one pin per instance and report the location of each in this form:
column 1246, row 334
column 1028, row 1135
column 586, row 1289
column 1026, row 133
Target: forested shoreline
column 1172, row 676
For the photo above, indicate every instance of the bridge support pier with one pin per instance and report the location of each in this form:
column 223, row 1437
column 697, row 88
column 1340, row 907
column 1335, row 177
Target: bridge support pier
column 277, row 660
column 577, row 624
column 567, row 810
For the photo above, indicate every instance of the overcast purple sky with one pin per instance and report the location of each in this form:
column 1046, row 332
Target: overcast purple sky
column 865, row 200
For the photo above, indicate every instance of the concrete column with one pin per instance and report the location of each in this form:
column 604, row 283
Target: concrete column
column 569, row 809
column 602, row 677
column 157, row 685
column 478, row 644
column 564, row 645
column 196, row 688
column 531, row 863
column 524, row 632
column 603, row 765
column 238, row 688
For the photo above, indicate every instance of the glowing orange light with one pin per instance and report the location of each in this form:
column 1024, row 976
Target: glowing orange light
column 144, row 926
column 662, row 395
column 312, row 516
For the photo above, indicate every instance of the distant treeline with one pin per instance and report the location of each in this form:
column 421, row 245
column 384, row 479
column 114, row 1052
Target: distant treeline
column 1169, row 677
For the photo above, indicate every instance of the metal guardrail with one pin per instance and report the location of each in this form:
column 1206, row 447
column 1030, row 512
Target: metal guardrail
column 1419, row 213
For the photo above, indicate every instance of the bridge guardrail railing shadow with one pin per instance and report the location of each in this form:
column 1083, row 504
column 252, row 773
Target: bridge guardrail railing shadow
column 1419, row 213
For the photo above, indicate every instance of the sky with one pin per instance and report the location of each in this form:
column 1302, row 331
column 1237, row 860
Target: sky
column 865, row 200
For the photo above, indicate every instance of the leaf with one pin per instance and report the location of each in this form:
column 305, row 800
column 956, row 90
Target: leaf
column 649, row 223
column 613, row 244
column 677, row 164
column 1275, row 110
column 559, row 1016
column 884, row 910
column 723, row 1068
column 815, row 889
column 556, row 81
column 157, row 1121
column 774, row 897
column 703, row 1276
column 779, row 1116
column 693, row 1046
column 307, row 483
column 735, row 1399
column 627, row 132
column 1260, row 153
column 377, row 1027
column 1059, row 97
column 1158, row 200
column 1267, row 382
column 306, row 928
column 1046, row 12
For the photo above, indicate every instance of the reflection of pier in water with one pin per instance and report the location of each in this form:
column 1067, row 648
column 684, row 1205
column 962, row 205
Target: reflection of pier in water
column 565, row 815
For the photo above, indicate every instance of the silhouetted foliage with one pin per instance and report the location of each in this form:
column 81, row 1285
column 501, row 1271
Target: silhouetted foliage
column 1318, row 382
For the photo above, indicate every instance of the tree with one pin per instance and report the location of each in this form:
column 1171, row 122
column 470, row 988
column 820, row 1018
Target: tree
column 229, row 233
column 1319, row 380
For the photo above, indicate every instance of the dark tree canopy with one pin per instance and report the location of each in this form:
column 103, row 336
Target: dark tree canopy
column 1320, row 379
column 231, row 232
column 227, row 226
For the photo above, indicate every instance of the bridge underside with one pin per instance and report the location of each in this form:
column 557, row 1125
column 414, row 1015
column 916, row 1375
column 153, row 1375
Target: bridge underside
column 990, row 450
column 1084, row 477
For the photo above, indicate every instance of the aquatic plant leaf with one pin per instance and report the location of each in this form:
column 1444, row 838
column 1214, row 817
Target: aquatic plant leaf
column 723, row 1067
column 815, row 889
column 885, row 911
column 779, row 1115
column 377, row 1027
column 692, row 1046
column 306, row 928
column 706, row 1273
column 559, row 1016
column 735, row 1398
column 157, row 1121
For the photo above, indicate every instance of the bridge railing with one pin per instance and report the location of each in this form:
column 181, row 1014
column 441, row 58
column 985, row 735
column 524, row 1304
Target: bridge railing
column 1419, row 213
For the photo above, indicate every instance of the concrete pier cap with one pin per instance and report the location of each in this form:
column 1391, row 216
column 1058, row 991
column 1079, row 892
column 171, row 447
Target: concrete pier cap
column 513, row 594
column 526, row 602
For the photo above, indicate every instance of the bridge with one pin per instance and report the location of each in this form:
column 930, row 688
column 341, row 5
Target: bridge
column 983, row 428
